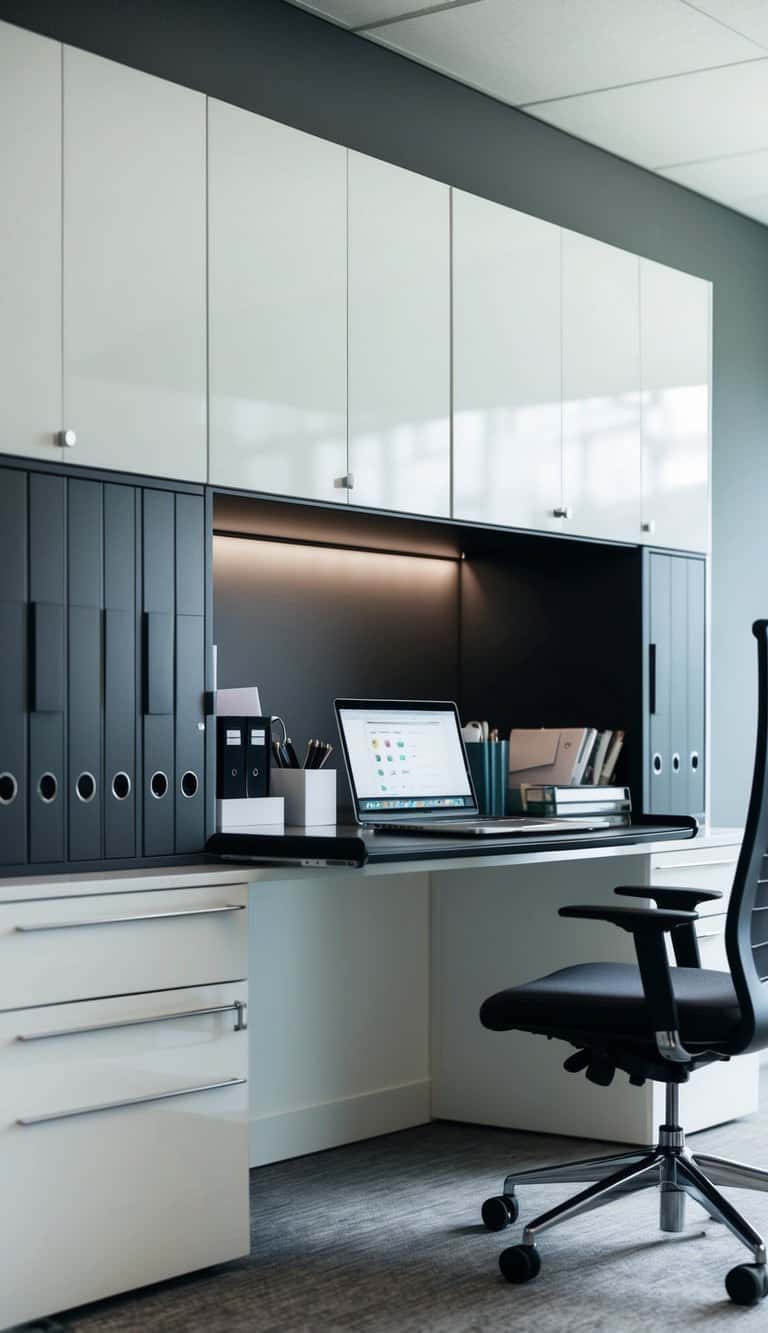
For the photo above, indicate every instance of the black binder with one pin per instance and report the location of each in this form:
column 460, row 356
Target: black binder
column 230, row 758
column 47, row 565
column 14, row 786
column 120, row 805
column 257, row 752
column 158, row 704
column 85, row 541
column 190, row 674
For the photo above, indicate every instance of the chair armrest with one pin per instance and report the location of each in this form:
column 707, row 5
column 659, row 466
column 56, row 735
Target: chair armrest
column 648, row 925
column 684, row 942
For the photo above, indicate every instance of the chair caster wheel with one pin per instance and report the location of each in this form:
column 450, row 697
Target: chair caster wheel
column 747, row 1284
column 499, row 1211
column 520, row 1263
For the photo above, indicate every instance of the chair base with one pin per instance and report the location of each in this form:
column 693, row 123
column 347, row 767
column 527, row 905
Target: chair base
column 669, row 1166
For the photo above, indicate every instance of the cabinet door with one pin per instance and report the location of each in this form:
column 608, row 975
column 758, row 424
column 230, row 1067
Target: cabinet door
column 134, row 270
column 506, row 366
column 30, row 243
column 676, row 375
column 601, row 389
column 399, row 338
column 277, row 307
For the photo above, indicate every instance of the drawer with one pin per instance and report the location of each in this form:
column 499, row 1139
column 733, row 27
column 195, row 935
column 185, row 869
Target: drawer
column 123, row 1141
column 54, row 950
column 705, row 871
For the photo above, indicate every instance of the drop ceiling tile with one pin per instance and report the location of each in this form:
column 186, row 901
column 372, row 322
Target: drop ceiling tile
column 728, row 179
column 673, row 121
column 748, row 17
column 526, row 50
column 352, row 13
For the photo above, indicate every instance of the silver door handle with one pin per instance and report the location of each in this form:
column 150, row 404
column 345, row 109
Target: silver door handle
column 562, row 511
column 236, row 1007
column 26, row 1120
column 120, row 920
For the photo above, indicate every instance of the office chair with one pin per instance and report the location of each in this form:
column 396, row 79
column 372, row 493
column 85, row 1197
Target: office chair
column 660, row 1022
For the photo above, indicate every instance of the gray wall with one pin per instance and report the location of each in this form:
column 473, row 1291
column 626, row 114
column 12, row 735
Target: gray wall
column 284, row 63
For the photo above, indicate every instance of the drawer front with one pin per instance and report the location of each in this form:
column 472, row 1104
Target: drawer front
column 706, row 870
column 711, row 937
column 151, row 1184
column 55, row 950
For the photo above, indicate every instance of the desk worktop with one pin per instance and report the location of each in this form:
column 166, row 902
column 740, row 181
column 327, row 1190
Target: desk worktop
column 427, row 856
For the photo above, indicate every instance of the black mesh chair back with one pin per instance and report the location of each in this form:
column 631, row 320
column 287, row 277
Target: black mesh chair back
column 746, row 929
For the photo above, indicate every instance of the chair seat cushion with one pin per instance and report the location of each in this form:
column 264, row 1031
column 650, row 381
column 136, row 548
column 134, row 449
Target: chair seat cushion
column 607, row 999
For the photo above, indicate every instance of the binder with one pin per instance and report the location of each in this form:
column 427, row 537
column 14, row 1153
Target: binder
column 549, row 754
column 119, row 782
column 230, row 758
column 257, row 753
column 189, row 786
column 14, row 785
column 85, row 546
column 47, row 785
column 158, row 686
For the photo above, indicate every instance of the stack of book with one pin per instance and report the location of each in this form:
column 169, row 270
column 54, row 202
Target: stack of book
column 613, row 805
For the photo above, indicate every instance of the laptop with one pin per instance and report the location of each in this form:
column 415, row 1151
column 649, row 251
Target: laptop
column 408, row 772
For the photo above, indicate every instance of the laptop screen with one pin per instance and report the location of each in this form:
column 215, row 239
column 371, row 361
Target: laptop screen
column 404, row 757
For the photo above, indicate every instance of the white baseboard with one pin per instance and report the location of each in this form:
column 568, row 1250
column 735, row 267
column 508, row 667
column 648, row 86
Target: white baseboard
column 272, row 1138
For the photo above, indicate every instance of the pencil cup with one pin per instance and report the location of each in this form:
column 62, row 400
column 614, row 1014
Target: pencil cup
column 488, row 762
column 310, row 794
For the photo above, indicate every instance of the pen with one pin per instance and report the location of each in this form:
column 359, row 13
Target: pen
column 327, row 754
column 310, row 755
column 276, row 754
column 289, row 750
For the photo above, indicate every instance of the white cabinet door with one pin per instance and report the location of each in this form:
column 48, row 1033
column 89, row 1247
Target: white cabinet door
column 277, row 307
column 399, row 338
column 134, row 270
column 676, row 376
column 601, row 389
column 30, row 243
column 506, row 366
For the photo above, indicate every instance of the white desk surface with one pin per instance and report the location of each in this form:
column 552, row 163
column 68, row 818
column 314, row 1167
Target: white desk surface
column 25, row 887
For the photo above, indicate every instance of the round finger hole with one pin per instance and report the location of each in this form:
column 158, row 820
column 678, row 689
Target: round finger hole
column 47, row 788
column 675, row 763
column 8, row 788
column 694, row 761
column 158, row 785
column 189, row 783
column 86, row 787
column 657, row 763
column 121, row 786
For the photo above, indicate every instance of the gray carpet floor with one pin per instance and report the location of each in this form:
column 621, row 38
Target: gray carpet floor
column 384, row 1237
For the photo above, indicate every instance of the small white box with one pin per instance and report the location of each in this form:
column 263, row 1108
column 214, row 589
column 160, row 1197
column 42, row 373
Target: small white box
column 250, row 811
column 242, row 702
column 310, row 794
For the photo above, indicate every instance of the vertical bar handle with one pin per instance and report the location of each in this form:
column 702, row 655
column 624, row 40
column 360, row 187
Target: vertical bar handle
column 652, row 678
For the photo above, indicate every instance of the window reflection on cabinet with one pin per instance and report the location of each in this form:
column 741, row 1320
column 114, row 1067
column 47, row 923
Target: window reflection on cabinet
column 601, row 389
column 399, row 338
column 675, row 342
column 506, row 366
column 277, row 307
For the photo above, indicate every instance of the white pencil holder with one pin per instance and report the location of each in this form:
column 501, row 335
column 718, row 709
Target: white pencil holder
column 310, row 794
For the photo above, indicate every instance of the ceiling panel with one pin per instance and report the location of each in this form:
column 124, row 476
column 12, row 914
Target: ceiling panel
column 728, row 179
column 353, row 13
column 686, row 119
column 526, row 50
column 749, row 17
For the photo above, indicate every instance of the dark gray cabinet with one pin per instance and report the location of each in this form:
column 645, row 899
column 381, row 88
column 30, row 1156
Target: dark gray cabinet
column 102, row 669
column 674, row 592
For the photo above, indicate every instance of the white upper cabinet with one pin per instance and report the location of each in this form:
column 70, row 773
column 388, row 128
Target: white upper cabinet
column 134, row 270
column 676, row 375
column 601, row 389
column 506, row 366
column 277, row 307
column 30, row 244
column 399, row 338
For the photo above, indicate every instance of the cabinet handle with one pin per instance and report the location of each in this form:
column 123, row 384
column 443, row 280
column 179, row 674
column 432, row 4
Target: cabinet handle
column 27, row 1120
column 67, row 438
column 120, row 920
column 236, row 1007
column 651, row 678
column 562, row 511
column 694, row 865
column 649, row 525
column 345, row 483
column 709, row 934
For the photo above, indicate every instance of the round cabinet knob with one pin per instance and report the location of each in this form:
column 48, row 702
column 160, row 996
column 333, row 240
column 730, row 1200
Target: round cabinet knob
column 649, row 525
column 67, row 438
column 562, row 511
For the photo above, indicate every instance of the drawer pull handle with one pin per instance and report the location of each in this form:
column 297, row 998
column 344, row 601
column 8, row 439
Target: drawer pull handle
column 27, row 1120
column 236, row 1007
column 710, row 934
column 695, row 865
column 120, row 920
